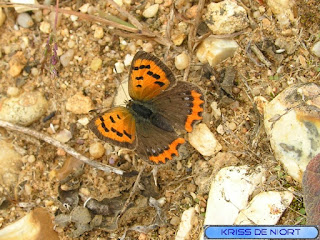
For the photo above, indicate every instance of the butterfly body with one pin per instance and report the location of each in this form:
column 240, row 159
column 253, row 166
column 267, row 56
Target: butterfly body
column 160, row 107
column 143, row 112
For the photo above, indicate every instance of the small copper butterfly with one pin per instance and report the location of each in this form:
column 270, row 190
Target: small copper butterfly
column 160, row 105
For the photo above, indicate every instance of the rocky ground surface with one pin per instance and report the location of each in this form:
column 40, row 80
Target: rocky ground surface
column 269, row 47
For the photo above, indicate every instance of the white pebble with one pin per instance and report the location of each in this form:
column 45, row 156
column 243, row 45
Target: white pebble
column 28, row 189
column 161, row 201
column 232, row 126
column 230, row 191
column 17, row 63
column 83, row 121
column 220, row 129
column 13, row 91
column 25, row 42
column 151, row 11
column 127, row 2
column 71, row 44
column 31, row 159
column 127, row 60
column 63, row 136
column 187, row 224
column 10, row 165
column 74, row 18
column 96, row 64
column 34, row 71
column 98, row 33
column 84, row 8
column 216, row 112
column 79, row 104
column 316, row 49
column 45, row 27
column 119, row 2
column 59, row 51
column 178, row 38
column 265, row 215
column 96, row 150
column 214, row 51
column 67, row 57
column 181, row 61
column 204, row 141
column 119, row 67
column 25, row 20
column 147, row 47
column 23, row 109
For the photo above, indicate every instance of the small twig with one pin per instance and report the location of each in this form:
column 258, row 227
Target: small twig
column 248, row 47
column 161, row 41
column 187, row 71
column 126, row 14
column 258, row 127
column 139, row 31
column 180, row 180
column 58, row 144
column 170, row 22
column 143, row 31
column 154, row 173
column 194, row 27
column 260, row 55
column 192, row 36
column 79, row 14
column 224, row 36
column 133, row 190
column 246, row 146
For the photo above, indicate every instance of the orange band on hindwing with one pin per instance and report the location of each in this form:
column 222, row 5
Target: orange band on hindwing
column 169, row 153
column 196, row 110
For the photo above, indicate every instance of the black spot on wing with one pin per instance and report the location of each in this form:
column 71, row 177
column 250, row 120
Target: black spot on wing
column 139, row 78
column 118, row 133
column 104, row 127
column 144, row 66
column 161, row 84
column 127, row 134
column 156, row 76
column 112, row 120
column 138, row 86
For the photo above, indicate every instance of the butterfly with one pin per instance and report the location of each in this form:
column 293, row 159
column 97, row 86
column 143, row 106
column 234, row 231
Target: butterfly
column 160, row 107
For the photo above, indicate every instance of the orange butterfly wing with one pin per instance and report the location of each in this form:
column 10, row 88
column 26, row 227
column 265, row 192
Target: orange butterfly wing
column 116, row 126
column 148, row 77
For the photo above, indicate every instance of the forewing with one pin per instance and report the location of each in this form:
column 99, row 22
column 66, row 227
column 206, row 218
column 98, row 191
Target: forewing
column 116, row 126
column 182, row 105
column 156, row 145
column 148, row 77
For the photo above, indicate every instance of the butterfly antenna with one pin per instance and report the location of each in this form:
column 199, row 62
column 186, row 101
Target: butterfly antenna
column 120, row 83
column 96, row 110
column 127, row 97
